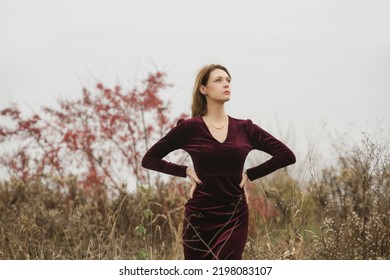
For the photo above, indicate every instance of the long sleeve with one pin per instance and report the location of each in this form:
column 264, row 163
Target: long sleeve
column 262, row 140
column 173, row 140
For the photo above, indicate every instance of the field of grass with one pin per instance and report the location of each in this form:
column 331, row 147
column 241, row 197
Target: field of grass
column 343, row 213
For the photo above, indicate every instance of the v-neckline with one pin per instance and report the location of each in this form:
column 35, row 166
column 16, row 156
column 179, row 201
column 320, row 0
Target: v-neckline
column 208, row 130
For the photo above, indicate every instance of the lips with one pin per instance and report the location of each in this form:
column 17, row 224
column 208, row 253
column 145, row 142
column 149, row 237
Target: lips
column 226, row 92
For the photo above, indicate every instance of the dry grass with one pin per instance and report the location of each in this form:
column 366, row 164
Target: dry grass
column 39, row 222
column 343, row 215
column 354, row 201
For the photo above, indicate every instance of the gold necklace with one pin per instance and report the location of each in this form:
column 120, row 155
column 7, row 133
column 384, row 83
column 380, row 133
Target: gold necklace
column 218, row 127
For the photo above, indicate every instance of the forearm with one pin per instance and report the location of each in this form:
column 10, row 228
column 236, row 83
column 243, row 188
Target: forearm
column 278, row 161
column 164, row 166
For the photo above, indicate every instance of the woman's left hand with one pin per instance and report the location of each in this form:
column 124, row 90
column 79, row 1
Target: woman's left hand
column 243, row 182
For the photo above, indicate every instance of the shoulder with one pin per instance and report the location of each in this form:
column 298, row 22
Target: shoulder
column 246, row 125
column 189, row 122
column 241, row 122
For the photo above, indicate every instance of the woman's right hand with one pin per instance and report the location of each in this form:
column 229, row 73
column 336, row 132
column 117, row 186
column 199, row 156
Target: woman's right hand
column 194, row 180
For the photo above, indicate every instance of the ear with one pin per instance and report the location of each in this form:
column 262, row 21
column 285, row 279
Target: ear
column 202, row 90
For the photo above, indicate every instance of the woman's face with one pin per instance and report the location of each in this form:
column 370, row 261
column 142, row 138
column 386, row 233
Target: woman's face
column 218, row 86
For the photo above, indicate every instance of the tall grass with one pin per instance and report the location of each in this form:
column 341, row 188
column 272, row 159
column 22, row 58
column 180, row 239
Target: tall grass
column 38, row 221
column 345, row 214
column 354, row 205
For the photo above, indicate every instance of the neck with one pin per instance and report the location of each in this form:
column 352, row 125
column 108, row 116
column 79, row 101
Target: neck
column 215, row 112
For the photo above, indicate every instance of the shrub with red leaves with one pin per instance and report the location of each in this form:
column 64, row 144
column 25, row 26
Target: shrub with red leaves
column 99, row 137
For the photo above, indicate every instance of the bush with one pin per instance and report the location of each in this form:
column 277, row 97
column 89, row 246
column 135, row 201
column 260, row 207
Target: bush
column 354, row 199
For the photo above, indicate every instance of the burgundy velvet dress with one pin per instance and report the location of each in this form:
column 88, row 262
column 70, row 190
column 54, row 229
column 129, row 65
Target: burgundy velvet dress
column 216, row 218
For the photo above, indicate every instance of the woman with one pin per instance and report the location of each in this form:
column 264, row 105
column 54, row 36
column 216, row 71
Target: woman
column 216, row 214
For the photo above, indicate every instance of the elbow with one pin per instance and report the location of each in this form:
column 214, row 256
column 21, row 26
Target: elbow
column 291, row 159
column 145, row 162
column 287, row 157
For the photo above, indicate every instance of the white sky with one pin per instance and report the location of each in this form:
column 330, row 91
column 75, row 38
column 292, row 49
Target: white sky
column 294, row 64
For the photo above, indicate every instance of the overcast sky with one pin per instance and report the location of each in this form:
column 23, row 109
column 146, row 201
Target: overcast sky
column 297, row 64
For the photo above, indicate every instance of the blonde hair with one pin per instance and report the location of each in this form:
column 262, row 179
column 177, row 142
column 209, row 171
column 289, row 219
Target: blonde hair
column 199, row 102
